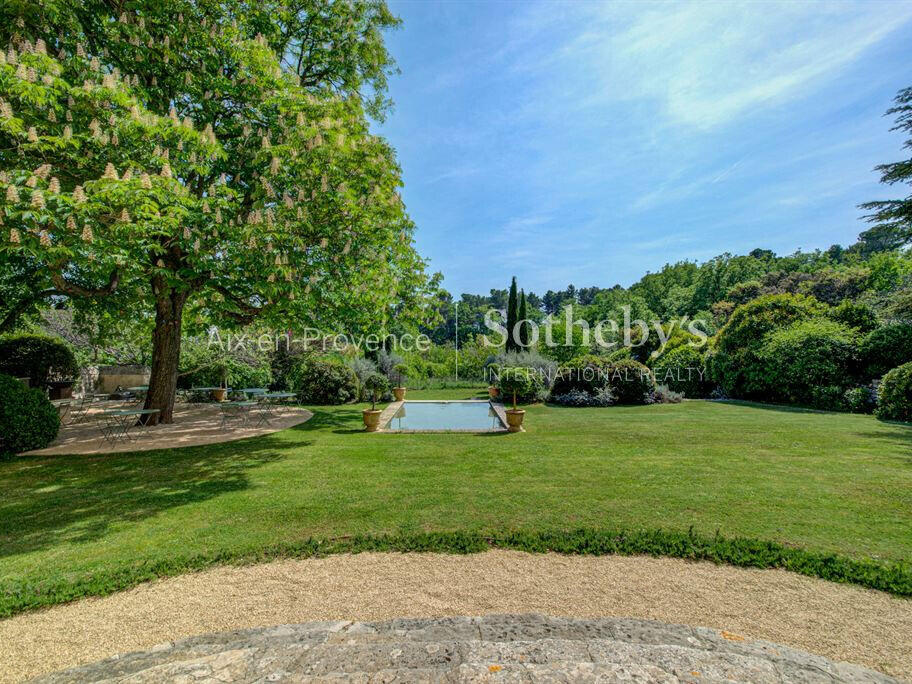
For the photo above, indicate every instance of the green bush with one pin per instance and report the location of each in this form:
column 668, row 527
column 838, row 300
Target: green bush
column 811, row 362
column 886, row 348
column 516, row 382
column 323, row 381
column 631, row 382
column 896, row 395
column 207, row 367
column 861, row 399
column 855, row 315
column 735, row 362
column 542, row 371
column 27, row 419
column 38, row 358
column 375, row 385
column 587, row 374
column 684, row 370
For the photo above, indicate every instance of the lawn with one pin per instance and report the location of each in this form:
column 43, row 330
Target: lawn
column 822, row 482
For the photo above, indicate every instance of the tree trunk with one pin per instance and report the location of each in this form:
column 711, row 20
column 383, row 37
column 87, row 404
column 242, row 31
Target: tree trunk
column 166, row 342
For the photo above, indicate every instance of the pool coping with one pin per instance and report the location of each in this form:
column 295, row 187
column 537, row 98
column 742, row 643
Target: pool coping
column 387, row 415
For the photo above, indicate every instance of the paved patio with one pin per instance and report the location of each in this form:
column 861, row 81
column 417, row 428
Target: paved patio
column 194, row 425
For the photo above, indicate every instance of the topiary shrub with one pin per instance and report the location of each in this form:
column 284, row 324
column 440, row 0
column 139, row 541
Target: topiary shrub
column 684, row 370
column 323, row 381
column 885, row 348
column 631, row 382
column 895, row 401
column 38, row 358
column 515, row 382
column 376, row 384
column 811, row 362
column 27, row 419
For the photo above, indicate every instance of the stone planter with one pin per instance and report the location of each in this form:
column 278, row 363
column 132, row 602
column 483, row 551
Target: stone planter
column 515, row 419
column 399, row 393
column 371, row 419
column 219, row 394
column 493, row 392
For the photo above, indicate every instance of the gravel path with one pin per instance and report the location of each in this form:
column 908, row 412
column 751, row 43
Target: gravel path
column 840, row 622
column 507, row 648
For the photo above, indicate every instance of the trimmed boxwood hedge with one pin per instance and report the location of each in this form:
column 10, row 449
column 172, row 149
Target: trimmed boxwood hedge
column 27, row 419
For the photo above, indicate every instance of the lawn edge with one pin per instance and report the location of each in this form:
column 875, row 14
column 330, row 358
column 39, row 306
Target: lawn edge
column 891, row 577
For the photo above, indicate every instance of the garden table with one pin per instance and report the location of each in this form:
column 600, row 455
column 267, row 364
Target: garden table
column 236, row 410
column 140, row 391
column 270, row 401
column 119, row 422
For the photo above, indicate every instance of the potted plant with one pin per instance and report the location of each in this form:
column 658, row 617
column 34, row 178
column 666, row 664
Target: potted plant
column 515, row 381
column 493, row 391
column 399, row 389
column 220, row 393
column 375, row 383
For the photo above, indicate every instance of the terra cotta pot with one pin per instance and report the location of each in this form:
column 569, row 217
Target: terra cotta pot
column 515, row 419
column 399, row 393
column 493, row 392
column 371, row 419
column 219, row 394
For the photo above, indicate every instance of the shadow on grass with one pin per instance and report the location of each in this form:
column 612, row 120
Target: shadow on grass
column 48, row 501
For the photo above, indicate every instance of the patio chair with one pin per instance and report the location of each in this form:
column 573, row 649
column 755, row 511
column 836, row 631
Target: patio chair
column 232, row 413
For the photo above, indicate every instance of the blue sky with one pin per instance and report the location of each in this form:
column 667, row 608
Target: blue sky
column 590, row 142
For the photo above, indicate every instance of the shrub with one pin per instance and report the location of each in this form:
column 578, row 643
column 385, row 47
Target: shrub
column 202, row 366
column 542, row 371
column 363, row 369
column 516, row 382
column 810, row 362
column 895, row 391
column 855, row 315
column 735, row 363
column 663, row 395
column 684, row 370
column 885, row 348
column 37, row 357
column 861, row 399
column 631, row 382
column 323, row 381
column 27, row 419
column 588, row 374
column 603, row 397
column 376, row 384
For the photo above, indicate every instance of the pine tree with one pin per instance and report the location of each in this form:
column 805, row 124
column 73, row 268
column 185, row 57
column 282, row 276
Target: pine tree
column 511, row 317
column 892, row 219
column 524, row 324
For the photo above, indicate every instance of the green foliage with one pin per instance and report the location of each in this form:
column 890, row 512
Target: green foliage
column 631, row 382
column 27, row 419
column 811, row 362
column 516, row 382
column 376, row 385
column 735, row 364
column 862, row 399
column 37, row 357
column 684, row 369
column 203, row 366
column 323, row 381
column 586, row 374
column 895, row 402
column 568, row 345
column 885, row 348
column 854, row 314
column 512, row 344
column 892, row 219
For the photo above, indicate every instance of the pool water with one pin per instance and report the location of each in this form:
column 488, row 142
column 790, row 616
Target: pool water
column 445, row 415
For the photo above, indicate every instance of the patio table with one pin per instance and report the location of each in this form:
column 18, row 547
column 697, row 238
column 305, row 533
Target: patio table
column 120, row 422
column 236, row 410
column 271, row 401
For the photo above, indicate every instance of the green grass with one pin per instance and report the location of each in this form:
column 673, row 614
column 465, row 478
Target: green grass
column 821, row 483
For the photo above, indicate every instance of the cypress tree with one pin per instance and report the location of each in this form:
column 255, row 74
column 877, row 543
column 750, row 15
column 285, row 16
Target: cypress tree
column 511, row 317
column 524, row 325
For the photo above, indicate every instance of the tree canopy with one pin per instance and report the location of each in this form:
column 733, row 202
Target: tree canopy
column 208, row 154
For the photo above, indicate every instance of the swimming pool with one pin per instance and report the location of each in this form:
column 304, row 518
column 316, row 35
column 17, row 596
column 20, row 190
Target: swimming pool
column 471, row 416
